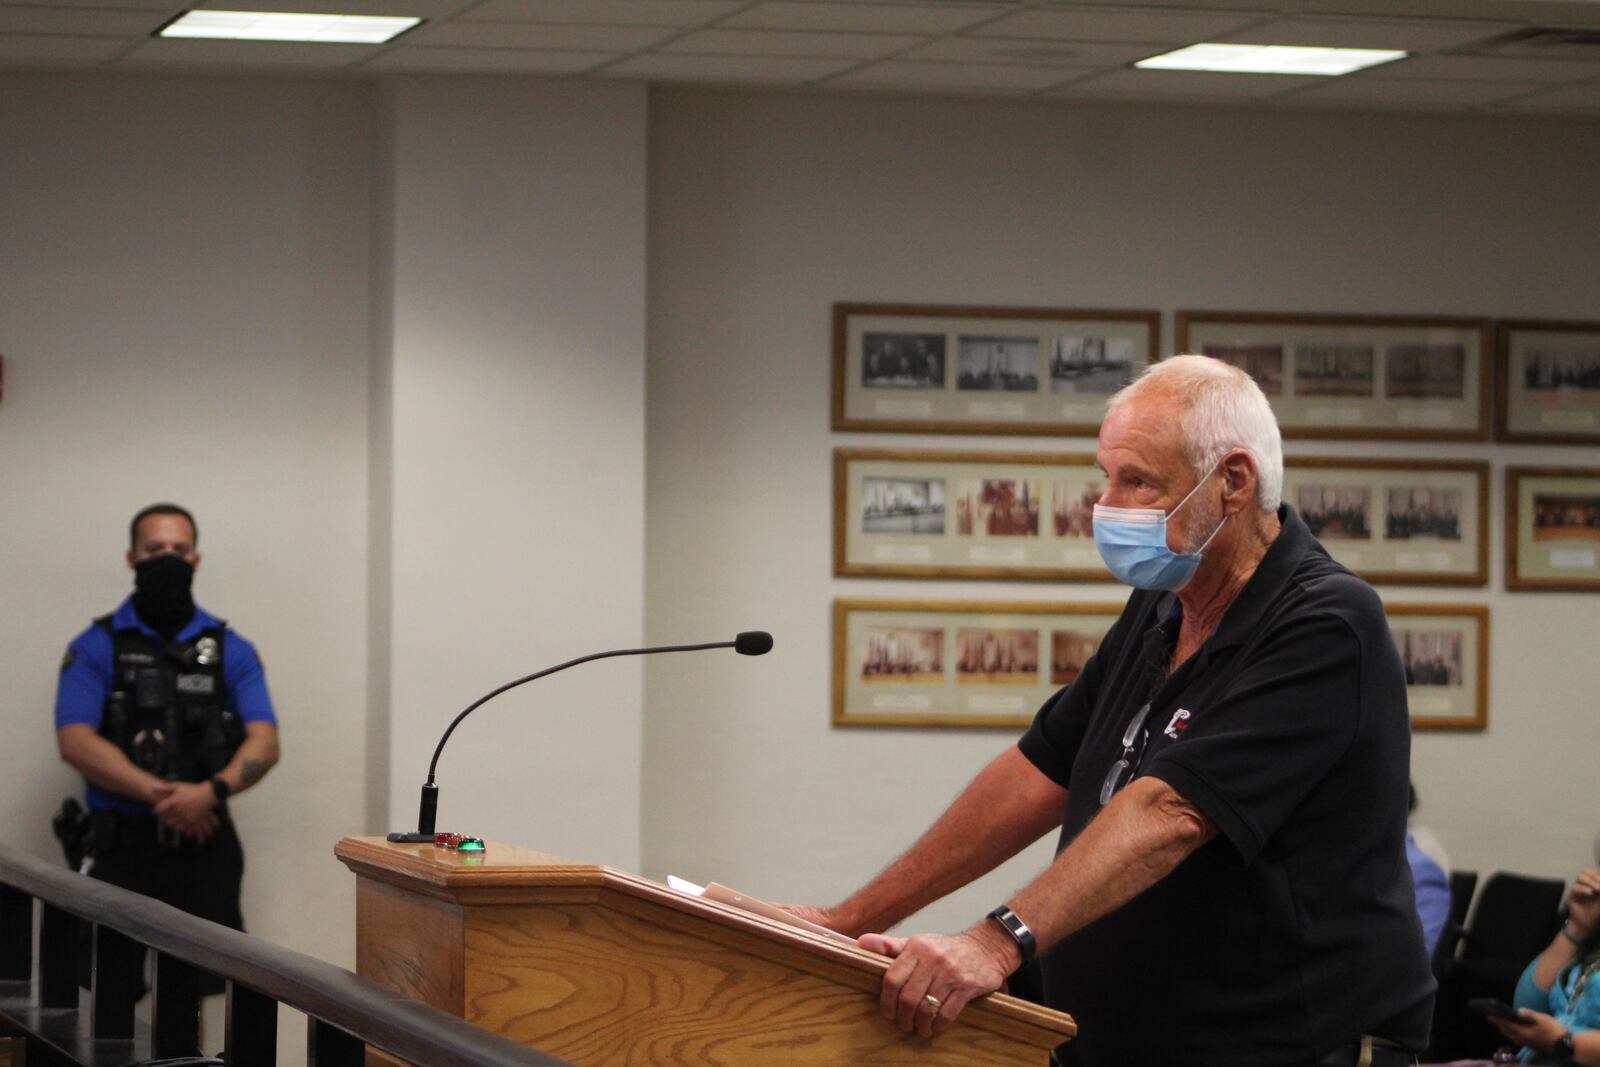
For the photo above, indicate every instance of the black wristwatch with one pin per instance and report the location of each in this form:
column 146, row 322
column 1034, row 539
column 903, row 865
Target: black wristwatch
column 1562, row 1048
column 220, row 790
column 1017, row 929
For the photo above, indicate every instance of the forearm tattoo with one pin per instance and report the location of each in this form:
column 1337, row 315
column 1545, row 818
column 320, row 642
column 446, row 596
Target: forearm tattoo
column 251, row 772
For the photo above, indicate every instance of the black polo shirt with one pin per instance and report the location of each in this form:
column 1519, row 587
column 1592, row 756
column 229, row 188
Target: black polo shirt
column 1295, row 930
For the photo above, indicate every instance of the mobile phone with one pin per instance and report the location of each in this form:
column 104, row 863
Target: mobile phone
column 1491, row 1006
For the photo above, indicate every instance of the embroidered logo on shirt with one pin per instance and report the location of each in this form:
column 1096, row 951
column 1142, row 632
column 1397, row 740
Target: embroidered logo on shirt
column 1179, row 723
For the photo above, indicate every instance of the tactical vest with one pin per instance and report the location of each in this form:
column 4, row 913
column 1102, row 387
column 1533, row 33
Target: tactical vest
column 166, row 706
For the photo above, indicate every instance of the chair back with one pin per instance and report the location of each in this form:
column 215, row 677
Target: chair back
column 1515, row 918
column 1462, row 883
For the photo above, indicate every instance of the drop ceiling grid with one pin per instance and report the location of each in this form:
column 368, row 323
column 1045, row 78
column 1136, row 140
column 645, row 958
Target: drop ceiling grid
column 1050, row 48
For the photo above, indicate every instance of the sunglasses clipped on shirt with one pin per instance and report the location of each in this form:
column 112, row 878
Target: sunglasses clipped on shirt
column 1136, row 736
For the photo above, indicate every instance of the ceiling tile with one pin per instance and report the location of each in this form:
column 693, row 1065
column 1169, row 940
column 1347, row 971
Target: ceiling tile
column 1410, row 35
column 167, row 51
column 1012, row 78
column 422, row 9
column 1409, row 92
column 790, row 43
column 1007, row 50
column 604, row 12
column 1478, row 68
column 1188, row 84
column 498, row 60
column 539, row 36
column 726, row 68
column 77, row 20
column 1153, row 25
column 43, row 47
column 862, row 17
column 1584, row 97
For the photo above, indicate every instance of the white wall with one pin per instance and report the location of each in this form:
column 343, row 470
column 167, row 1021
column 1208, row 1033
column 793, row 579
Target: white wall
column 183, row 316
column 515, row 475
column 767, row 208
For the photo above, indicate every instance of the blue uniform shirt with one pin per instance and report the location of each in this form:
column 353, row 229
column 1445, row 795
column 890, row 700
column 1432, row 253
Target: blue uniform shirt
column 86, row 676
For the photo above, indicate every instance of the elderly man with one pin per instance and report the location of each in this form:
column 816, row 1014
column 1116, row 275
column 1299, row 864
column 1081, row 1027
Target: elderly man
column 1229, row 774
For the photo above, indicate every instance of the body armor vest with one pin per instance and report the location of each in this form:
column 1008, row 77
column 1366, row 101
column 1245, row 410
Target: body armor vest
column 165, row 709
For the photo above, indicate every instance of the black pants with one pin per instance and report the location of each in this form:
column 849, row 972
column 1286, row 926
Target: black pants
column 201, row 879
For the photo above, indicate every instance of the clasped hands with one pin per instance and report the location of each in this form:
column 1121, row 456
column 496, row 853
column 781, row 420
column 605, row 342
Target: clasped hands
column 933, row 976
column 188, row 808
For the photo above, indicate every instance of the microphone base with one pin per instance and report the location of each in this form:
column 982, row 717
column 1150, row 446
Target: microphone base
column 407, row 837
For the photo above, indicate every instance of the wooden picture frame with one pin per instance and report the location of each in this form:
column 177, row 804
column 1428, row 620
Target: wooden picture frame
column 1416, row 521
column 1547, row 373
column 1445, row 650
column 1553, row 529
column 995, row 515
column 940, row 368
column 965, row 664
column 1359, row 377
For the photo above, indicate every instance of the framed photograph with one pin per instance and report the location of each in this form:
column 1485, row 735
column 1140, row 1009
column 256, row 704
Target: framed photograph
column 1549, row 375
column 954, row 663
column 1419, row 522
column 1445, row 649
column 1553, row 529
column 1357, row 376
column 911, row 514
column 931, row 368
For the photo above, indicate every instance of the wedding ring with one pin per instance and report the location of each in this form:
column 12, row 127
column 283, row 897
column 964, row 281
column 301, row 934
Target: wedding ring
column 935, row 1001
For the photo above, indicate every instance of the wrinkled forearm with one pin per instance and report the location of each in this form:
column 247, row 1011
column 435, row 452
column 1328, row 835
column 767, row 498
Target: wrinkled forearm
column 1137, row 840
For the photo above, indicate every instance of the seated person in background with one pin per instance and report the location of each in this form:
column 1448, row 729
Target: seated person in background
column 1432, row 881
column 1558, row 998
column 1433, row 893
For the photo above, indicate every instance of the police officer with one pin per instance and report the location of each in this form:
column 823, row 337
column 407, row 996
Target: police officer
column 165, row 713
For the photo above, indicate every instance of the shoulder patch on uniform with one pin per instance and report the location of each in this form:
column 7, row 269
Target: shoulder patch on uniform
column 67, row 660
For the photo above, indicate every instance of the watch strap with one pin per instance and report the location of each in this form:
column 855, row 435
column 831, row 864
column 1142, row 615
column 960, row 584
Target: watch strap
column 1562, row 1047
column 220, row 789
column 1018, row 931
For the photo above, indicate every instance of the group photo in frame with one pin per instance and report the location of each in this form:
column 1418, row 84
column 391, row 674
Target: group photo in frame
column 1357, row 376
column 934, row 368
column 1548, row 373
column 1412, row 521
column 1553, row 529
column 973, row 664
column 923, row 514
column 1444, row 649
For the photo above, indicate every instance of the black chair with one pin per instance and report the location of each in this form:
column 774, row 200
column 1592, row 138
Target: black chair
column 1462, row 883
column 1514, row 919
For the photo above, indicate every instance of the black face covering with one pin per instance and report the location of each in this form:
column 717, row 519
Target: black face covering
column 161, row 593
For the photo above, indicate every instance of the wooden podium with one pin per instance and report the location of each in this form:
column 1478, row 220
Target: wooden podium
column 600, row 967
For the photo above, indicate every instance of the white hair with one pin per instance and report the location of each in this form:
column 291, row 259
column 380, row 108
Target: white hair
column 1222, row 409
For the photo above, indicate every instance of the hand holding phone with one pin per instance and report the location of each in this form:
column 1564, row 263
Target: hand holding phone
column 1492, row 1007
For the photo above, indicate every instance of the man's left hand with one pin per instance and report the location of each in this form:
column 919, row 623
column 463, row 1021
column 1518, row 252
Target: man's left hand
column 935, row 976
column 188, row 809
column 1532, row 1028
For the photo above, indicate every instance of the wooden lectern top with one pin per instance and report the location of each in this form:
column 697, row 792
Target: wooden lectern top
column 589, row 946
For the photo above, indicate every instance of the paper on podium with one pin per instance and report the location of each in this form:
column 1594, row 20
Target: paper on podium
column 723, row 895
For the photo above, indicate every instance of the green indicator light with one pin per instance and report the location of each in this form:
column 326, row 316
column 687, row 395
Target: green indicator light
column 470, row 846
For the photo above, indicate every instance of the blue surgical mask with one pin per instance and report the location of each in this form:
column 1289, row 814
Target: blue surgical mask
column 1133, row 542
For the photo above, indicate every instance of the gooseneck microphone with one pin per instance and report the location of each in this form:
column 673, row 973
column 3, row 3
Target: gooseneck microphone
column 748, row 643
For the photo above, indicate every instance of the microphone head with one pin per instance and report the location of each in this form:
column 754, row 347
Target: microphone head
column 753, row 643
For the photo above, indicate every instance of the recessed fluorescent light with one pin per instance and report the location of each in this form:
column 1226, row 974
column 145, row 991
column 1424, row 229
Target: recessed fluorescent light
column 1270, row 59
column 284, row 26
